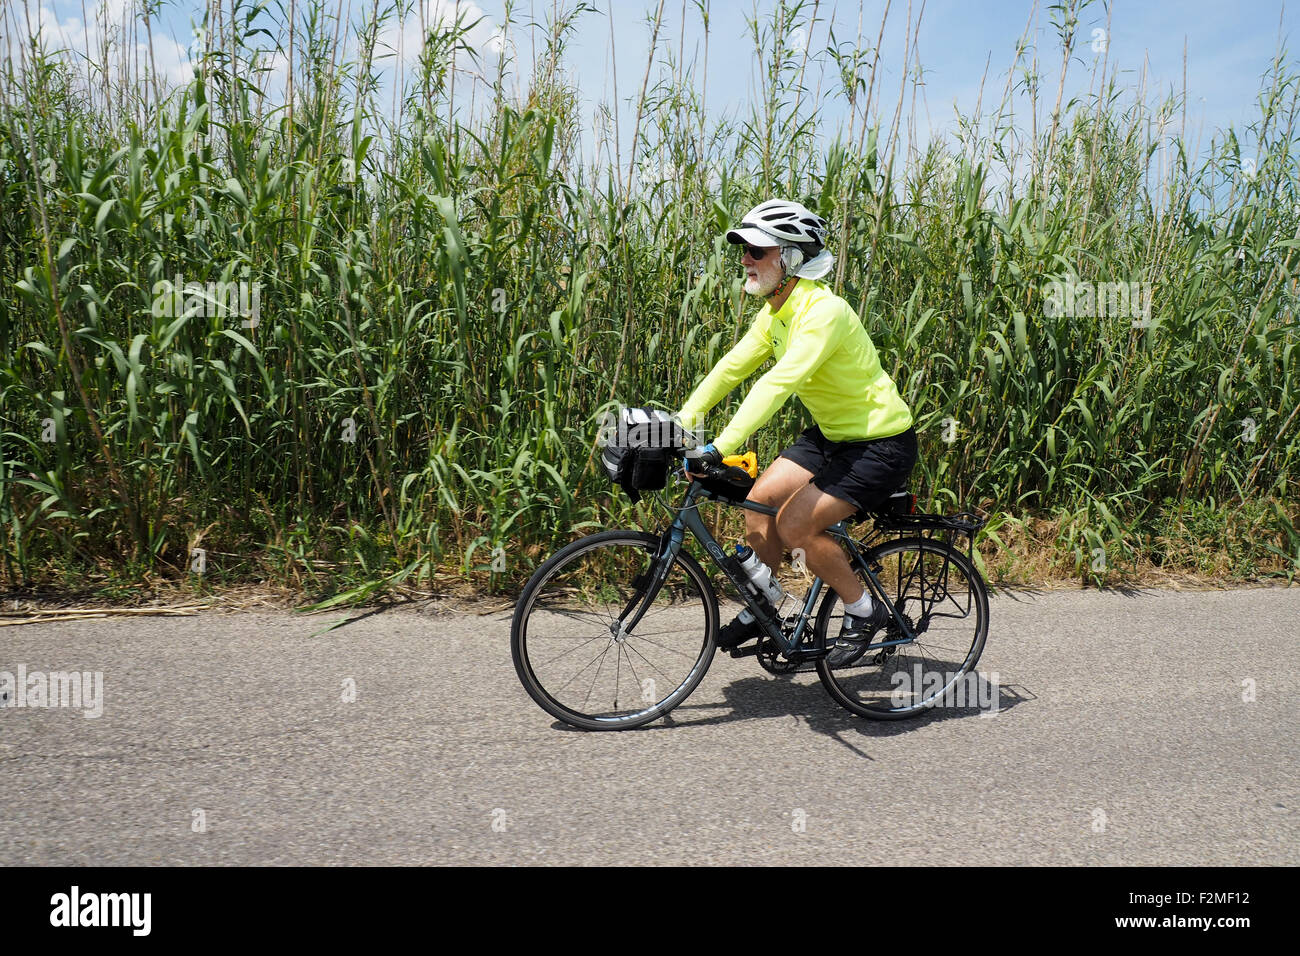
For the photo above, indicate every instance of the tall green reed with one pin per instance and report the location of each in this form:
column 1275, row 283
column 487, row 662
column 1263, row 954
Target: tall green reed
column 448, row 297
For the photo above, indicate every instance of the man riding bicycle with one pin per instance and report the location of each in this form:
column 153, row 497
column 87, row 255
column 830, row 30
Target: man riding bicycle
column 862, row 446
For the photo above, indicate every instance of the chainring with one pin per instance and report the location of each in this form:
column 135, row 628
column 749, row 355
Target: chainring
column 769, row 656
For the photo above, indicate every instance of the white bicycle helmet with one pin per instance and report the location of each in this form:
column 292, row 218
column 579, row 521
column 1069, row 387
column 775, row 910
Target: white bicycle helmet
column 801, row 234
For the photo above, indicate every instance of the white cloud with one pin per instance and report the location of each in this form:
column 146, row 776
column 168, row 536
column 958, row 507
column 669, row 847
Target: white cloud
column 115, row 41
column 404, row 37
column 109, row 29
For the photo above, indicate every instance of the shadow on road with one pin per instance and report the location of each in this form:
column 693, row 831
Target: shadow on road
column 765, row 698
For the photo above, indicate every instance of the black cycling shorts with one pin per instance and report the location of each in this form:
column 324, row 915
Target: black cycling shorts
column 863, row 473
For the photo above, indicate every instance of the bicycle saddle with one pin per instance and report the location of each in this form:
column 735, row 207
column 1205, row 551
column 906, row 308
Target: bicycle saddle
column 898, row 502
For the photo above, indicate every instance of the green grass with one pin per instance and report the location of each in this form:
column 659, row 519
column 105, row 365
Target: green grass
column 465, row 306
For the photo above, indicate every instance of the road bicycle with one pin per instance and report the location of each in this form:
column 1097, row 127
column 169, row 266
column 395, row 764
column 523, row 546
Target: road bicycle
column 618, row 628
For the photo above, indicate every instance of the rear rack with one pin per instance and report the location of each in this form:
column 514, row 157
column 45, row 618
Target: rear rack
column 944, row 527
column 964, row 522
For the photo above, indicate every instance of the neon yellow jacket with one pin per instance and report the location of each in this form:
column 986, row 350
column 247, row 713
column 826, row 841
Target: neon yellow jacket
column 823, row 355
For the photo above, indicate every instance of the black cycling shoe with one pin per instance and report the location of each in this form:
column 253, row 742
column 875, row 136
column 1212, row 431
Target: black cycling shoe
column 855, row 635
column 737, row 633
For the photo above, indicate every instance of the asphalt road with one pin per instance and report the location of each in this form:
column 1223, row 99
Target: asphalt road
column 1157, row 728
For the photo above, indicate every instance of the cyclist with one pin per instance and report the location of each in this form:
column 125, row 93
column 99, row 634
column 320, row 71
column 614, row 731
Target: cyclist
column 862, row 446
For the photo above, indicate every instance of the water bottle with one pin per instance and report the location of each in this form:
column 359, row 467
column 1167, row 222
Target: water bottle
column 761, row 576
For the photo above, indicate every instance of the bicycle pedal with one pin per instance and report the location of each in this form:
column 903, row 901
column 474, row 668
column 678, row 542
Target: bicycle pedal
column 745, row 651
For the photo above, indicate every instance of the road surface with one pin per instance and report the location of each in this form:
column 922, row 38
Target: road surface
column 1151, row 728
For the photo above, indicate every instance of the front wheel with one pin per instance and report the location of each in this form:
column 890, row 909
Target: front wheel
column 944, row 600
column 580, row 649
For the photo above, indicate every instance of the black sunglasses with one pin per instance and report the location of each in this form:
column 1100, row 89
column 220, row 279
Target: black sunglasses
column 756, row 252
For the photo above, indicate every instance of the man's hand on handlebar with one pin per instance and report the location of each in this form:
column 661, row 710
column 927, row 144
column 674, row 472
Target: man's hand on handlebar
column 703, row 460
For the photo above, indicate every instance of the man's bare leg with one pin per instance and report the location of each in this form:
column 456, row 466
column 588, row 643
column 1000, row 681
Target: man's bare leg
column 802, row 523
column 775, row 486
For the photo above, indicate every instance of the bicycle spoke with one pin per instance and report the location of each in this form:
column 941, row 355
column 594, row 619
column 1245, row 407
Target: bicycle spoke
column 594, row 679
column 561, row 612
column 650, row 662
column 941, row 647
column 635, row 676
column 598, row 657
column 569, row 651
column 666, row 647
column 618, row 672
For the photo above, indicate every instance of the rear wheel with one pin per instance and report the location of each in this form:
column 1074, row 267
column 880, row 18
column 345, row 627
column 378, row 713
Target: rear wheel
column 575, row 652
column 943, row 598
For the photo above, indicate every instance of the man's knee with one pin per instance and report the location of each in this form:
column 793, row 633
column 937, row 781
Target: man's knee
column 793, row 527
column 779, row 482
column 770, row 493
column 808, row 514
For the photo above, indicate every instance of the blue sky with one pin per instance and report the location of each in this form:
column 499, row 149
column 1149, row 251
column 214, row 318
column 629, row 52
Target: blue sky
column 1228, row 48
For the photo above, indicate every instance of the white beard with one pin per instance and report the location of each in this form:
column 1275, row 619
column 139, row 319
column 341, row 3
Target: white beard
column 758, row 287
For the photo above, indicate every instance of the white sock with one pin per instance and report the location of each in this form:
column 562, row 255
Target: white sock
column 861, row 607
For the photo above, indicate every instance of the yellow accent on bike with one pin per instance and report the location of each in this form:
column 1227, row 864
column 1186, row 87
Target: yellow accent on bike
column 748, row 461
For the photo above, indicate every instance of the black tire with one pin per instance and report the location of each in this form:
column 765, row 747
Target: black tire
column 944, row 598
column 583, row 588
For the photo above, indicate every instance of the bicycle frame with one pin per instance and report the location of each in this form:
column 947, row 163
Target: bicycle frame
column 688, row 519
